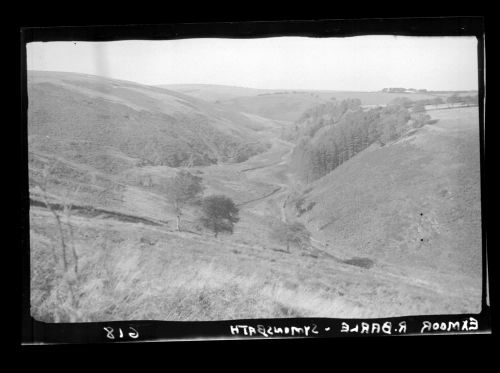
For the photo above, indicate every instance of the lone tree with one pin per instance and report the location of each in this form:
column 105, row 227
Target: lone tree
column 219, row 214
column 183, row 189
column 294, row 233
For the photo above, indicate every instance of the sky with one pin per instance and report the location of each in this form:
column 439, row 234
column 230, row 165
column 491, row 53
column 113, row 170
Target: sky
column 364, row 63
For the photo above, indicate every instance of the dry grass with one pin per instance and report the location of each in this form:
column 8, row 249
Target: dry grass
column 128, row 271
column 120, row 282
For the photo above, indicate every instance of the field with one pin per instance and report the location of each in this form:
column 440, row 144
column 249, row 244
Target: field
column 367, row 258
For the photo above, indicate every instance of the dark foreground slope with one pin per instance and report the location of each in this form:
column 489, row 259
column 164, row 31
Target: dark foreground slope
column 413, row 205
column 115, row 124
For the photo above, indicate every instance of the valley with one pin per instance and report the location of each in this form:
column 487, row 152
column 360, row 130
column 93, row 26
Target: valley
column 395, row 229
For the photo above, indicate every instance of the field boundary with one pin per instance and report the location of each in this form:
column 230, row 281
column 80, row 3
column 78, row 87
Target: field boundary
column 91, row 211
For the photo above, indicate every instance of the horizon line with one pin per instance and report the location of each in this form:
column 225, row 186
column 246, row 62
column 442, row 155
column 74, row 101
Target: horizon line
column 254, row 88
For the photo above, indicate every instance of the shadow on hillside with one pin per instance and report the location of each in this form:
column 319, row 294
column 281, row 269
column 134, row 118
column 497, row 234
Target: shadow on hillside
column 92, row 212
column 360, row 262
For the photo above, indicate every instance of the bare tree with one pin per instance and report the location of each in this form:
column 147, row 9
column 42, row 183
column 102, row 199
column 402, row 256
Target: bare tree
column 47, row 170
column 67, row 211
column 183, row 189
column 64, row 217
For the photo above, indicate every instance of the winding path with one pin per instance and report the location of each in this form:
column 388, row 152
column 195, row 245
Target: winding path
column 268, row 170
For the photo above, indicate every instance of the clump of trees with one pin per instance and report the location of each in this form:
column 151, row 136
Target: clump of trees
column 291, row 234
column 419, row 116
column 404, row 90
column 462, row 100
column 395, row 90
column 420, row 119
column 320, row 116
column 407, row 103
column 455, row 98
column 219, row 214
column 335, row 132
column 419, row 106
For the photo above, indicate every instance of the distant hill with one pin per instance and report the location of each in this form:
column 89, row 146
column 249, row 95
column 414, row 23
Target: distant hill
column 213, row 92
column 282, row 104
column 414, row 203
column 112, row 124
column 289, row 106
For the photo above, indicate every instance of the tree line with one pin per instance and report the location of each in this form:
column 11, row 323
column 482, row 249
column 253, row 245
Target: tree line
column 330, row 134
column 403, row 90
column 407, row 103
column 463, row 100
column 418, row 105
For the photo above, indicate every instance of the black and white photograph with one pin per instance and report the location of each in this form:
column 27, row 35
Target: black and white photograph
column 281, row 177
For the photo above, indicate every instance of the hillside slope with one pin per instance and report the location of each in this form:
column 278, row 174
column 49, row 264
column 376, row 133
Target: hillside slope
column 109, row 123
column 290, row 105
column 133, row 264
column 283, row 104
column 213, row 92
column 413, row 204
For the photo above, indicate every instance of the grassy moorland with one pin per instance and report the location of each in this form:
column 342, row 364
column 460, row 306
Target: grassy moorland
column 367, row 258
column 113, row 125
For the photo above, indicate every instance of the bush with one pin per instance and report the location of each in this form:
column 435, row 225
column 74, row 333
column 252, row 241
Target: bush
column 299, row 206
column 420, row 119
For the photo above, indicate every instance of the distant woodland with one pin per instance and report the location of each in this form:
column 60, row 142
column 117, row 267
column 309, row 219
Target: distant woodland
column 331, row 133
